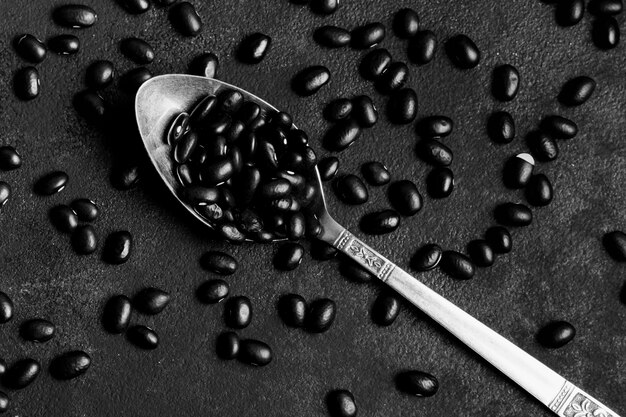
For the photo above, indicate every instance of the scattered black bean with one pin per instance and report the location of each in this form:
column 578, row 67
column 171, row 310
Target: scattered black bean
column 116, row 314
column 253, row 48
column 512, row 214
column 205, row 65
column 85, row 209
column 64, row 44
column 328, row 168
column 219, row 262
column 427, row 257
column 117, row 247
column 133, row 79
column 9, row 158
column 351, row 190
column 135, row 6
column 556, row 334
column 518, row 170
column 405, row 198
column 456, row 265
column 74, row 16
column 374, row 63
column 292, row 310
column 434, row 126
column 143, row 337
column 51, row 183
column 151, row 300
column 406, row 23
column 434, row 152
column 338, row 109
column 418, row 383
column 505, row 83
column 185, row 20
column 421, row 48
column 99, row 74
column 481, row 253
column 91, row 106
column 3, row 367
column 22, row 373
column 380, row 222
column 340, row 403
column 605, row 32
column 559, row 127
column 4, row 402
column 238, row 312
column 137, row 50
column 364, row 111
column 70, row 365
column 368, row 35
column 332, row 36
column 499, row 239
column 606, row 7
column 227, row 345
column 6, row 308
column 539, row 191
column 125, row 176
column 440, row 182
column 26, row 83
column 343, row 134
column 30, row 48
column 402, row 106
column 212, row 291
column 37, row 330
column 320, row 315
column 84, row 240
column 5, row 193
column 308, row 81
column 577, row 91
column 63, row 218
column 375, row 173
column 254, row 352
column 288, row 256
column 463, row 52
column 354, row 272
column 394, row 78
column 543, row 147
column 614, row 243
column 569, row 12
column 501, row 127
column 324, row 7
column 385, row 309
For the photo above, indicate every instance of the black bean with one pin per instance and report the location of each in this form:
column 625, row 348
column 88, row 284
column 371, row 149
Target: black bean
column 74, row 16
column 203, row 111
column 117, row 247
column 481, row 253
column 393, row 78
column 380, row 222
column 185, row 20
column 313, row 227
column 354, row 272
column 364, row 111
column 5, row 193
column 143, row 337
column 614, row 242
column 512, row 214
column 137, row 50
column 26, row 83
column 3, row 367
column 418, row 383
column 351, row 190
column 133, row 79
column 6, row 308
column 505, row 82
column 253, row 48
column 116, row 314
column 374, row 63
column 4, row 402
column 556, row 334
column 332, row 36
column 246, row 183
column 405, row 198
column 518, row 170
column 320, row 315
column 499, row 239
column 343, row 134
column 85, row 209
column 51, row 183
column 227, row 345
column 322, row 251
column 9, row 158
column 185, row 147
column 70, row 365
column 63, row 218
column 288, row 256
column 211, row 212
column 254, row 352
column 22, row 373
column 569, row 12
column 501, row 127
column 206, row 65
column 99, row 74
column 248, row 112
column 275, row 189
column 385, row 309
column 219, row 262
column 577, row 91
column 368, row 35
column 406, row 23
column 178, row 127
column 375, row 173
column 421, row 48
column 434, row 152
column 308, row 81
column 434, row 126
column 559, row 127
column 91, row 106
column 340, row 403
column 324, row 7
column 328, row 168
column 238, row 312
column 463, row 52
column 295, row 226
column 64, row 44
column 292, row 310
column 84, row 240
column 539, row 191
column 37, row 330
column 606, row 7
column 543, row 147
column 605, row 32
column 457, row 265
column 338, row 109
column 402, row 106
column 427, row 257
column 440, row 182
column 135, row 6
column 30, row 48
column 125, row 176
column 230, row 101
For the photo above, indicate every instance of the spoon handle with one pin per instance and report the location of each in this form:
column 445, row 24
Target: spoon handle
column 554, row 391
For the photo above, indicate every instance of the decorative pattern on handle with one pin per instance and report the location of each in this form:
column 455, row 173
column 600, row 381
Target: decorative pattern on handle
column 363, row 254
column 571, row 401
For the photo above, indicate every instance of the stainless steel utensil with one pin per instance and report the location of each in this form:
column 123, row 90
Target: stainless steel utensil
column 161, row 98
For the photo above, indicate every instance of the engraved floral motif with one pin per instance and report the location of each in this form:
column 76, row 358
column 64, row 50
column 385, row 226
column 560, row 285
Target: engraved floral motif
column 582, row 406
column 368, row 257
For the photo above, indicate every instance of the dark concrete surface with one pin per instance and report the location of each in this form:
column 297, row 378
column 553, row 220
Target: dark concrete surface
column 557, row 270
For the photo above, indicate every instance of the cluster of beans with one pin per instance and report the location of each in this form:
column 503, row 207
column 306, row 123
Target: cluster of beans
column 605, row 32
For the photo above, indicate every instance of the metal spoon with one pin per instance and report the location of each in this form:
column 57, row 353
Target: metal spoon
column 161, row 98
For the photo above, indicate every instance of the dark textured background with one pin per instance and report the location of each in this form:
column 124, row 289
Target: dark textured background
column 557, row 270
